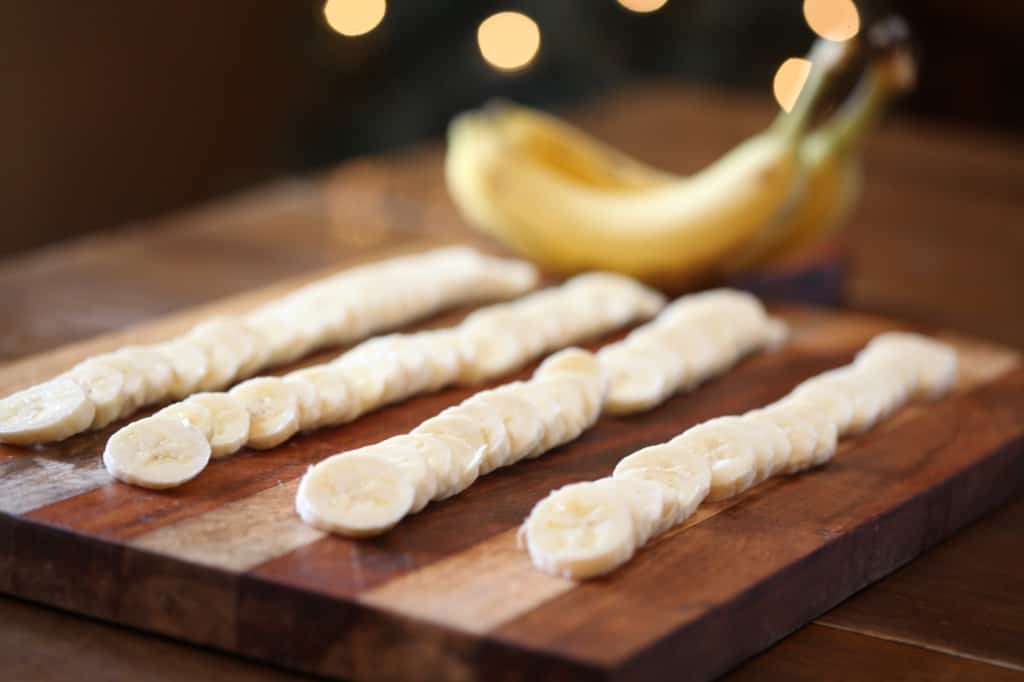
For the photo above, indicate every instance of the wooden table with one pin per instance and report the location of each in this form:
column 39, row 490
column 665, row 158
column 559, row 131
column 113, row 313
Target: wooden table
column 938, row 239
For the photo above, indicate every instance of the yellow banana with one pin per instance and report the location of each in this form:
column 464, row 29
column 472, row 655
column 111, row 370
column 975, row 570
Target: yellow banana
column 667, row 232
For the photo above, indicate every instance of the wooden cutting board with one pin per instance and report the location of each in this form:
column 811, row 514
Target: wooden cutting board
column 224, row 561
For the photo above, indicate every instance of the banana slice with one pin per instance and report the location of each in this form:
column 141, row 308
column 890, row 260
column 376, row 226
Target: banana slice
column 104, row 386
column 646, row 503
column 257, row 347
column 826, row 433
column 283, row 341
column 337, row 404
column 189, row 366
column 157, row 374
column 772, row 447
column 936, row 363
column 728, row 445
column 223, row 360
column 273, row 407
column 133, row 387
column 436, row 454
column 156, row 453
column 697, row 350
column 354, row 494
column 836, row 404
column 802, row 436
column 522, row 424
column 635, row 382
column 494, row 353
column 229, row 419
column 403, row 452
column 193, row 414
column 492, row 425
column 373, row 380
column 44, row 413
column 570, row 395
column 866, row 402
column 465, row 467
column 308, row 400
column 683, row 472
column 443, row 357
column 580, row 531
column 555, row 420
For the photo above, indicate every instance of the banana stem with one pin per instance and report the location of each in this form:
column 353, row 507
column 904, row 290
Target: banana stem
column 864, row 107
column 827, row 60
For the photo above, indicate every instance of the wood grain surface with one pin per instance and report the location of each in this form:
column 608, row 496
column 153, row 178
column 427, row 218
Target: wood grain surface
column 223, row 561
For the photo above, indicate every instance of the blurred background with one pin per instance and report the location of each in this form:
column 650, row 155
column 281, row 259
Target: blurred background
column 114, row 111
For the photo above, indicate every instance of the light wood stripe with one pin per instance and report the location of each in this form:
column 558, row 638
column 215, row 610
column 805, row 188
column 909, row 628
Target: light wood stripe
column 238, row 535
column 29, row 481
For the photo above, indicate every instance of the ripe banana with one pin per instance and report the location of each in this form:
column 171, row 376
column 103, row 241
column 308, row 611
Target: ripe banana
column 569, row 221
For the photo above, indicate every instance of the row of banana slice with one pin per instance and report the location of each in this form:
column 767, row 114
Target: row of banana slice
column 695, row 337
column 369, row 490
column 217, row 352
column 587, row 529
column 264, row 412
column 351, row 495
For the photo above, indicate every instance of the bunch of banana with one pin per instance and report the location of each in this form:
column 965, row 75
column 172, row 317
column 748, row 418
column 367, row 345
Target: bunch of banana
column 572, row 203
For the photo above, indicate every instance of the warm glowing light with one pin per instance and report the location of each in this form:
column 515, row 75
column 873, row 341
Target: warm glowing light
column 789, row 81
column 832, row 19
column 643, row 6
column 354, row 17
column 508, row 40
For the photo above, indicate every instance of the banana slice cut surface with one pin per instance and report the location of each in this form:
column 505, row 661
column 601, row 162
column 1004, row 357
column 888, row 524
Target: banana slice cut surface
column 45, row 413
column 156, row 452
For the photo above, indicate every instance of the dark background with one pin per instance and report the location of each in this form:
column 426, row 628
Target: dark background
column 114, row 111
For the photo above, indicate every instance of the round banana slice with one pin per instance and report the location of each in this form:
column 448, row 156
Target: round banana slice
column 836, row 404
column 802, row 436
column 284, row 342
column 104, row 386
column 465, row 467
column 156, row 453
column 46, row 412
column 697, row 350
column 653, row 347
column 522, row 424
column 133, row 386
column 308, row 402
column 494, row 352
column 461, row 427
column 936, row 363
column 337, row 404
column 728, row 445
column 437, row 454
column 373, row 380
column 492, row 424
column 865, row 400
column 403, row 452
column 157, row 373
column 682, row 471
column 774, row 334
column 258, row 349
column 635, row 382
column 646, row 503
column 574, row 361
column 827, row 435
column 580, row 531
column 222, row 358
column 273, row 407
column 355, row 495
column 443, row 357
column 193, row 414
column 772, row 447
column 188, row 367
column 557, row 422
column 570, row 394
column 230, row 422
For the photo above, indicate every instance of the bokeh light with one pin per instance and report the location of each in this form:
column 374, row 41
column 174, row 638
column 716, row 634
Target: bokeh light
column 354, row 17
column 642, row 6
column 508, row 40
column 789, row 81
column 836, row 20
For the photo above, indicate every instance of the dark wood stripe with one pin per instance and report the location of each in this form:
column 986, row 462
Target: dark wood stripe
column 762, row 565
